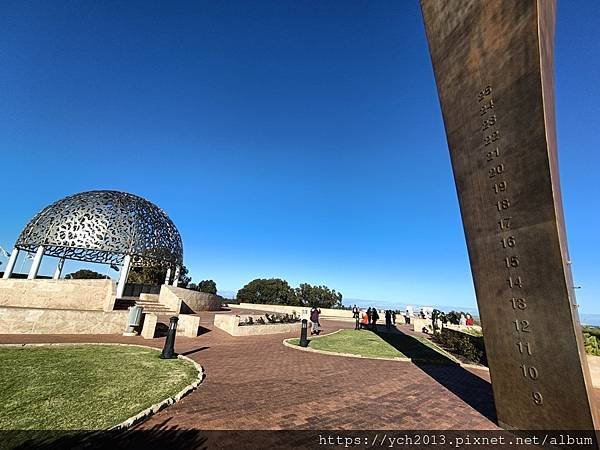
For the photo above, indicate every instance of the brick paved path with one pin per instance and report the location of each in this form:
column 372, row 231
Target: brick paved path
column 257, row 383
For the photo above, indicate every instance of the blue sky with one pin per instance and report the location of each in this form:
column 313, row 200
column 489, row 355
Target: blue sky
column 292, row 139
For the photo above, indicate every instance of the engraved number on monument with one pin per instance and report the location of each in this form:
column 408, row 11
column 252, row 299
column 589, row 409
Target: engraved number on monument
column 504, row 223
column 494, row 171
column 510, row 241
column 511, row 261
column 524, row 347
column 518, row 303
column 486, row 107
column 522, row 325
column 493, row 154
column 497, row 174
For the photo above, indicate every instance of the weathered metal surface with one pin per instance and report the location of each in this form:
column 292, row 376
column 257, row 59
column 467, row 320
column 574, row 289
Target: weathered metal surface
column 493, row 64
column 103, row 227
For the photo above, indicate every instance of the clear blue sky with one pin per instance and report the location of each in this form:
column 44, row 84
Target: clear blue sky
column 293, row 139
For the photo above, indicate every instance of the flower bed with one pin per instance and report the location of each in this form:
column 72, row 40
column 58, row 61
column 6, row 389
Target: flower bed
column 257, row 324
column 269, row 319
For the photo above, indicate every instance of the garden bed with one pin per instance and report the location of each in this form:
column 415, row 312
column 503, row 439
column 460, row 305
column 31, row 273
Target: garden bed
column 255, row 325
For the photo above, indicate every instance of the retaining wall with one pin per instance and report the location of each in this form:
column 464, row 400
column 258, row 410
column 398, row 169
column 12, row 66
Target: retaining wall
column 88, row 295
column 18, row 320
column 188, row 301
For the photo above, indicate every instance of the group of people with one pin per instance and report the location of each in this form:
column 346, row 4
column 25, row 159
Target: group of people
column 368, row 319
column 466, row 320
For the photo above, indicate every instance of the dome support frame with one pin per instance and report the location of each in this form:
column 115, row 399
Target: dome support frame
column 104, row 227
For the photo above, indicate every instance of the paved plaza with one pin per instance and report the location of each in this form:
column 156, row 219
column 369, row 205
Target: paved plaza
column 258, row 383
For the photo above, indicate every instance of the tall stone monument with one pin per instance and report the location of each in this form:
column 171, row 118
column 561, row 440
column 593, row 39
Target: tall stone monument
column 493, row 64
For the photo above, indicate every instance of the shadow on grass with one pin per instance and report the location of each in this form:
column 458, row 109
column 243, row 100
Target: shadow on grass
column 414, row 349
column 470, row 388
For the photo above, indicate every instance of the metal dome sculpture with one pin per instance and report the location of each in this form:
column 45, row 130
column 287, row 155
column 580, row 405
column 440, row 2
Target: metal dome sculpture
column 105, row 227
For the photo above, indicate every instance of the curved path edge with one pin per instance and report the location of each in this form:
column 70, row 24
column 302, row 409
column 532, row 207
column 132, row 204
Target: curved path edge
column 151, row 410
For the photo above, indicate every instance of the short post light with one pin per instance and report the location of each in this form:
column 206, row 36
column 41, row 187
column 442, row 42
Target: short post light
column 169, row 348
column 303, row 333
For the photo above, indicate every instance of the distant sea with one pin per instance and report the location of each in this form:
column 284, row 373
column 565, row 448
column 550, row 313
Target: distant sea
column 590, row 319
column 586, row 319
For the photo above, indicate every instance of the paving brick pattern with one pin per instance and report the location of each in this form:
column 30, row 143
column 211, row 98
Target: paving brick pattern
column 257, row 383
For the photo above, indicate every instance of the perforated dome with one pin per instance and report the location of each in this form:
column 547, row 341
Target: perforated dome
column 103, row 227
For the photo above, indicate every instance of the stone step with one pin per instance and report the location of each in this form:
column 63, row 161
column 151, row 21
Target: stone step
column 155, row 307
column 161, row 313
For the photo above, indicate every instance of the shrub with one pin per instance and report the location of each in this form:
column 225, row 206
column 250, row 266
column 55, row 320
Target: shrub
column 462, row 345
column 592, row 344
column 594, row 331
column 465, row 347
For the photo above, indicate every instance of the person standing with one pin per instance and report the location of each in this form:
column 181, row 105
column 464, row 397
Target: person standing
column 374, row 319
column 355, row 312
column 388, row 319
column 314, row 319
column 356, row 318
column 370, row 315
column 364, row 320
column 394, row 318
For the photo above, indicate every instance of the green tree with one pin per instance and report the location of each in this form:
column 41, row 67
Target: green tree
column 272, row 291
column 147, row 275
column 319, row 296
column 208, row 286
column 184, row 278
column 156, row 275
column 85, row 274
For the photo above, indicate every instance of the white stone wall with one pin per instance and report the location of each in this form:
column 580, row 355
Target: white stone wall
column 16, row 320
column 188, row 325
column 188, row 301
column 96, row 295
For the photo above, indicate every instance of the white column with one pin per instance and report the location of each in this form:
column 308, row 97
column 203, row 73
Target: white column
column 123, row 276
column 168, row 277
column 59, row 268
column 10, row 265
column 35, row 265
column 176, row 277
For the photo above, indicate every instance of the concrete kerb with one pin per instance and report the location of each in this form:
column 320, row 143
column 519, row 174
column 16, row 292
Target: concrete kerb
column 352, row 355
column 146, row 413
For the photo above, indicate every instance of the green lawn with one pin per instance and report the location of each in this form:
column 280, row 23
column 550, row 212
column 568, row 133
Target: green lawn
column 86, row 387
column 384, row 345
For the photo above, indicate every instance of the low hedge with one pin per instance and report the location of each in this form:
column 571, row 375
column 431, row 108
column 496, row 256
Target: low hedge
column 466, row 345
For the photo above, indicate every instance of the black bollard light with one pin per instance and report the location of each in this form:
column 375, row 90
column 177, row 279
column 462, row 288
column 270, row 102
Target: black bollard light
column 303, row 336
column 169, row 348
